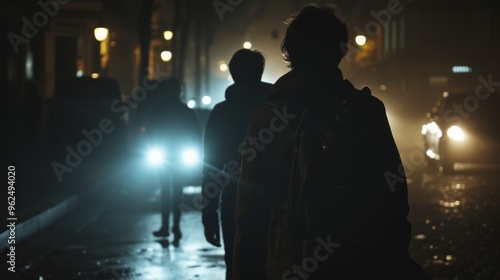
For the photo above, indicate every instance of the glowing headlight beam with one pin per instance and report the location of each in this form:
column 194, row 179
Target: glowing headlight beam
column 455, row 133
column 156, row 157
column 190, row 157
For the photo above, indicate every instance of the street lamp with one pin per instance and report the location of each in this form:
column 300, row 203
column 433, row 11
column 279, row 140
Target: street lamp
column 101, row 33
column 168, row 35
column 166, row 56
column 223, row 66
column 360, row 40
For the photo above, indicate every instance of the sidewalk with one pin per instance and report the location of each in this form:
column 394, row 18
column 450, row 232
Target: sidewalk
column 40, row 198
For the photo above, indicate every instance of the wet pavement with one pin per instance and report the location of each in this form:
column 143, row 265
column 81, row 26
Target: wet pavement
column 455, row 222
column 110, row 237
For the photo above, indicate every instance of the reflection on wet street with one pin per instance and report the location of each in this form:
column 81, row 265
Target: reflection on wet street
column 122, row 247
column 118, row 242
column 455, row 224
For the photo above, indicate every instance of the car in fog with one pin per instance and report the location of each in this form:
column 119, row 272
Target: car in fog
column 462, row 127
column 81, row 110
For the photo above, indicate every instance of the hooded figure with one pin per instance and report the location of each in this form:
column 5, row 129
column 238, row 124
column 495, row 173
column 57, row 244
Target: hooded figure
column 224, row 138
column 374, row 244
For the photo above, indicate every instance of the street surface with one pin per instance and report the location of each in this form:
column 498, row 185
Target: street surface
column 455, row 232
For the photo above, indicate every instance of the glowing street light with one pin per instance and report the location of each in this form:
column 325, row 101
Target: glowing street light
column 223, row 66
column 166, row 55
column 101, row 33
column 168, row 35
column 206, row 100
column 360, row 40
column 247, row 45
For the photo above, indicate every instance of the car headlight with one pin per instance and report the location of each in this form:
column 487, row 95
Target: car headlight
column 156, row 156
column 455, row 133
column 431, row 128
column 190, row 157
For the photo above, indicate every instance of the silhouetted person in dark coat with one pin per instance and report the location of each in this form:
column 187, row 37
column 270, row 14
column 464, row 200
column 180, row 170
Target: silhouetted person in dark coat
column 173, row 129
column 374, row 244
column 225, row 133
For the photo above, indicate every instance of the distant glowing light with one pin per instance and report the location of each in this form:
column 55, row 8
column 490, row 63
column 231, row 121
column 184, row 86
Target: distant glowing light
column 360, row 40
column 432, row 128
column 461, row 69
column 191, row 103
column 156, row 157
column 79, row 73
column 223, row 67
column 191, row 190
column 190, row 157
column 101, row 33
column 247, row 45
column 94, row 75
column 206, row 100
column 383, row 87
column 455, row 133
column 431, row 154
column 168, row 35
column 446, row 94
column 420, row 237
column 424, row 129
column 166, row 55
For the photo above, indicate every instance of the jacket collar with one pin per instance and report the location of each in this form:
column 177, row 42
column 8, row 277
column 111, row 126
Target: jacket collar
column 323, row 76
column 238, row 92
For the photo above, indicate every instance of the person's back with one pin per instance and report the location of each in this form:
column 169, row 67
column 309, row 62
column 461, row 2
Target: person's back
column 225, row 134
column 374, row 236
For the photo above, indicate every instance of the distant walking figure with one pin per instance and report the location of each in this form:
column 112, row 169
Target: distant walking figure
column 322, row 192
column 172, row 129
column 225, row 132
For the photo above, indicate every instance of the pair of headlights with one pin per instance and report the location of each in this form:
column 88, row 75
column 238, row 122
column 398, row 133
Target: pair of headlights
column 454, row 132
column 158, row 157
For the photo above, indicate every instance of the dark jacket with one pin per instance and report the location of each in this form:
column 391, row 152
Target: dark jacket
column 224, row 137
column 263, row 185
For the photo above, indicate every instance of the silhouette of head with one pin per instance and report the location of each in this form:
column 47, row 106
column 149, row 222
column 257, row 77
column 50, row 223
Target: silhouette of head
column 316, row 35
column 170, row 88
column 246, row 66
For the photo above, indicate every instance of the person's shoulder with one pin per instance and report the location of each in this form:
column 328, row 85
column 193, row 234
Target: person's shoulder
column 364, row 97
column 266, row 86
column 220, row 107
